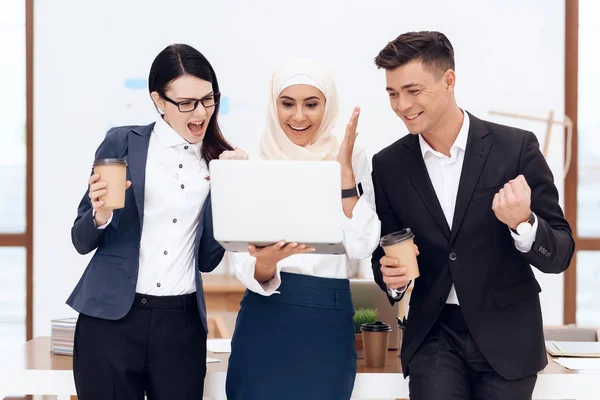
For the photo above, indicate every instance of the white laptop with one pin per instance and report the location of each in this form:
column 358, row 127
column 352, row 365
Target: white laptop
column 367, row 294
column 265, row 201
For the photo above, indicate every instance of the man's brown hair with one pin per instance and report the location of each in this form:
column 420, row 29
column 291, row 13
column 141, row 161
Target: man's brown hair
column 433, row 49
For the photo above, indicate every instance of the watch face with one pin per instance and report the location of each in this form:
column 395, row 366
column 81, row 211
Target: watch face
column 523, row 228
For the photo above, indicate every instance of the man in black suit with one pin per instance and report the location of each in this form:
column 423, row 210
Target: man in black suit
column 481, row 202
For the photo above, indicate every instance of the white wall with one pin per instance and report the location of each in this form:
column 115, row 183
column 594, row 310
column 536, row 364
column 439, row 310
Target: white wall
column 509, row 56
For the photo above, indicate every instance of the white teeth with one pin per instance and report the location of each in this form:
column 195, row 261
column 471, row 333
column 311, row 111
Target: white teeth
column 298, row 128
column 197, row 123
column 412, row 116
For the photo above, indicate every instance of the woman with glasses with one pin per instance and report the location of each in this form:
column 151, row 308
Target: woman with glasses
column 294, row 335
column 142, row 322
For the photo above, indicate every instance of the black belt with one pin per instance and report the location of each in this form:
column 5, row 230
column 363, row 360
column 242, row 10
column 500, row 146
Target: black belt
column 165, row 302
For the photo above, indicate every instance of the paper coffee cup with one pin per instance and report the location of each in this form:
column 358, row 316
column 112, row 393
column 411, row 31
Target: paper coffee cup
column 400, row 245
column 113, row 171
column 376, row 338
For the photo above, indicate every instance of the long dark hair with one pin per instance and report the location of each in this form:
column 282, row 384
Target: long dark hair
column 180, row 59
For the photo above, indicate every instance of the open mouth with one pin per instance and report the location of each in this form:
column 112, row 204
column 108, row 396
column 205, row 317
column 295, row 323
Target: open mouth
column 197, row 128
column 299, row 130
column 412, row 117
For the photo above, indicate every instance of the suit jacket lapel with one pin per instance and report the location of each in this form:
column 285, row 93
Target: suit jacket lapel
column 478, row 147
column 415, row 165
column 137, row 155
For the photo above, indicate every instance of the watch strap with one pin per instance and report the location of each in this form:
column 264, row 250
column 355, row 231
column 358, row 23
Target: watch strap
column 355, row 191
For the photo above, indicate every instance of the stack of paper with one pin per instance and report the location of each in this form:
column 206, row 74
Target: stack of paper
column 62, row 334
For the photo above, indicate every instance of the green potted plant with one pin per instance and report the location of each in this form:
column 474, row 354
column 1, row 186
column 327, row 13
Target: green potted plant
column 362, row 316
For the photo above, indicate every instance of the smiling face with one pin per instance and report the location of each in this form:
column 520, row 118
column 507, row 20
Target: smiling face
column 300, row 110
column 420, row 97
column 187, row 90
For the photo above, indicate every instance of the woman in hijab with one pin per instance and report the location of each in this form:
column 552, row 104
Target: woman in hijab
column 294, row 335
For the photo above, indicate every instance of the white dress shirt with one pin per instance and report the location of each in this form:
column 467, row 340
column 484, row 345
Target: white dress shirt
column 444, row 173
column 361, row 238
column 176, row 188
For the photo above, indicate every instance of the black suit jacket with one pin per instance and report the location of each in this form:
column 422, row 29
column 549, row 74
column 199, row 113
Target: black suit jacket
column 498, row 293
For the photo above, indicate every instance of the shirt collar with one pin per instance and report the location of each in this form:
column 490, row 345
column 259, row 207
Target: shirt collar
column 459, row 144
column 170, row 138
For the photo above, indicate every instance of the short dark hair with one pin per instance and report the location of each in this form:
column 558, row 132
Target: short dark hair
column 175, row 61
column 433, row 49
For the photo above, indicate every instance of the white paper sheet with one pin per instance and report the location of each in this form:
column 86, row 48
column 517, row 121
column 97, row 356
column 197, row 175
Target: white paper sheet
column 212, row 360
column 578, row 362
column 219, row 345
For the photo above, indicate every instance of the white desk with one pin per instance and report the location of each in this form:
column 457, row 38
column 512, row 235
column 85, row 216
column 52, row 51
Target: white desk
column 31, row 369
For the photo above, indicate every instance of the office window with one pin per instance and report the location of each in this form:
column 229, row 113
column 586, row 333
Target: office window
column 15, row 237
column 12, row 296
column 582, row 187
column 588, row 188
column 588, row 283
column 13, row 144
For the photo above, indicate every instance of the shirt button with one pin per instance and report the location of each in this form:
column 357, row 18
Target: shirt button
column 182, row 186
column 185, row 147
column 453, row 256
column 158, row 284
column 165, row 252
column 180, row 165
column 174, row 220
column 144, row 300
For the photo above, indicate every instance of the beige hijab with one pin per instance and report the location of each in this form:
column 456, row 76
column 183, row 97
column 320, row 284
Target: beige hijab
column 274, row 143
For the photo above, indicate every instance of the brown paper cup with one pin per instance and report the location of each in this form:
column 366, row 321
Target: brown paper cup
column 376, row 337
column 400, row 245
column 113, row 171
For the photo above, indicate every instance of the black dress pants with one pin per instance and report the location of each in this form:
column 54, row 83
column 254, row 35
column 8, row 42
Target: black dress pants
column 449, row 366
column 157, row 349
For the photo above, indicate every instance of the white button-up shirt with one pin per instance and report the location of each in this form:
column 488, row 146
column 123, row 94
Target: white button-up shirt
column 176, row 188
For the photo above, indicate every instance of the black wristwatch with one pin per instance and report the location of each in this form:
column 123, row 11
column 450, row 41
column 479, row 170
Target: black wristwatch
column 355, row 191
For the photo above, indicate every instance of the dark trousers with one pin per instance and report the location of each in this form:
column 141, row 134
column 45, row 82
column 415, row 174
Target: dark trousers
column 158, row 348
column 449, row 366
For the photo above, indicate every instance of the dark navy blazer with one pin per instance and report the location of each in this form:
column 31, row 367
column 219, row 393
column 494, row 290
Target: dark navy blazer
column 107, row 287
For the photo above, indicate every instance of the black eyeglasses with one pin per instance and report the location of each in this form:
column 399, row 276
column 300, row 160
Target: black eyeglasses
column 190, row 105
